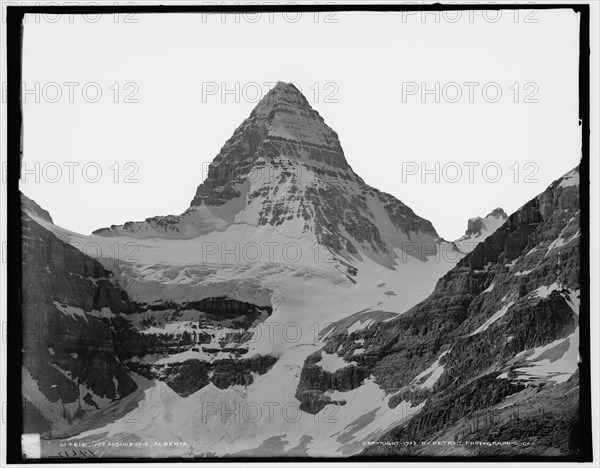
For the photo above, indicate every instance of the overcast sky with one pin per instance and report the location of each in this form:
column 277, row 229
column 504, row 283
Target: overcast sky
column 363, row 72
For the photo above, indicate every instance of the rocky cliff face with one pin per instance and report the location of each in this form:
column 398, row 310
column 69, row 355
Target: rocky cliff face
column 71, row 365
column 499, row 327
column 283, row 123
column 479, row 229
column 193, row 344
column 285, row 168
column 33, row 209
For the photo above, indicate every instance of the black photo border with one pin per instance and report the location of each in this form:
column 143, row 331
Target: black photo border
column 14, row 32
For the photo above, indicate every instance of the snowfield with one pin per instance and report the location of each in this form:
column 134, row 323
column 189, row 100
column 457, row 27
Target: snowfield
column 306, row 296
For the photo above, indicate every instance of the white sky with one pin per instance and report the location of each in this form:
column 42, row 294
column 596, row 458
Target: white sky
column 171, row 134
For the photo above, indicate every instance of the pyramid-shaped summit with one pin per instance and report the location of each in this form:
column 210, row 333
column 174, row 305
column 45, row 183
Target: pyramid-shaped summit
column 282, row 123
column 282, row 94
column 284, row 168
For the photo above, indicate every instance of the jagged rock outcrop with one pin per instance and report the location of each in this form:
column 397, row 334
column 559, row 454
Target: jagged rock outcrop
column 317, row 381
column 228, row 372
column 476, row 225
column 192, row 344
column 479, row 229
column 191, row 375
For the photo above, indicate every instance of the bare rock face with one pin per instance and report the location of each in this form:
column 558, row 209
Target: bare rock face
column 284, row 167
column 228, row 372
column 475, row 225
column 283, row 122
column 493, row 327
column 34, row 209
column 315, row 381
column 70, row 363
column 204, row 341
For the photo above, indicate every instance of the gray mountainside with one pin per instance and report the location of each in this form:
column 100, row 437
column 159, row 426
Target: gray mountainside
column 492, row 354
column 62, row 354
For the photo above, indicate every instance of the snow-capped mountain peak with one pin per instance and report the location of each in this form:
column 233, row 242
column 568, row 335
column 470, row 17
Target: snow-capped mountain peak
column 284, row 170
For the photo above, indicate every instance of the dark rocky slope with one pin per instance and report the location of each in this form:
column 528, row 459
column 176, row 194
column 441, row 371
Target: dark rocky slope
column 69, row 355
column 466, row 347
